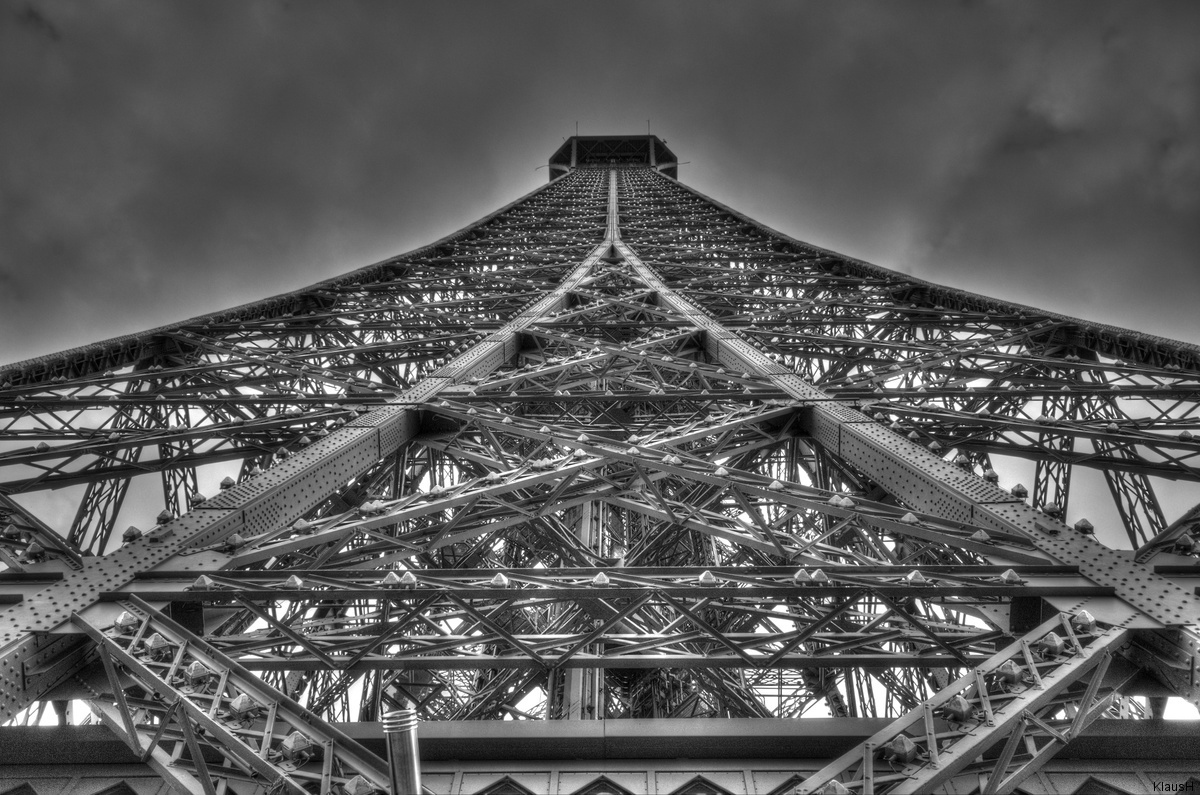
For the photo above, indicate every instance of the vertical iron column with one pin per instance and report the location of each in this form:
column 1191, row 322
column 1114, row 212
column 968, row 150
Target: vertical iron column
column 404, row 761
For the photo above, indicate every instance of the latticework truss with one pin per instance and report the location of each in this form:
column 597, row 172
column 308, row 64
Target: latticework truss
column 612, row 452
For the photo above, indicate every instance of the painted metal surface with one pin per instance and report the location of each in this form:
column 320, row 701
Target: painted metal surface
column 614, row 452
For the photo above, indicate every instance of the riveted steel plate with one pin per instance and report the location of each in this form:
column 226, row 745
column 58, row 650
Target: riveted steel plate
column 292, row 487
column 826, row 431
column 727, row 357
column 486, row 356
column 51, row 606
column 932, row 485
column 843, row 413
column 255, row 488
column 425, row 390
column 512, row 344
column 206, row 525
column 839, row 412
column 800, row 389
column 738, row 357
column 904, row 469
column 34, row 664
column 1154, row 595
column 394, row 424
column 753, row 360
column 954, row 478
column 713, row 341
column 12, row 679
column 551, row 303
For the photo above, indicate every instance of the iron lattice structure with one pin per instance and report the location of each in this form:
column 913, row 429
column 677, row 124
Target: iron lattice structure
column 615, row 451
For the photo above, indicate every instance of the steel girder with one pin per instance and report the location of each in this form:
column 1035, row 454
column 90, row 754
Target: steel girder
column 504, row 404
column 190, row 697
column 328, row 462
column 830, row 616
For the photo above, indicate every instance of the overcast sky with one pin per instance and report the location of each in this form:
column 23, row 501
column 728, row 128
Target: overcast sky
column 163, row 159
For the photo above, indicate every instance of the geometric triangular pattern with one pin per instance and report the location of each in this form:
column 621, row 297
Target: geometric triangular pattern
column 612, row 452
column 120, row 788
column 700, row 786
column 1094, row 786
column 506, row 786
column 602, row 786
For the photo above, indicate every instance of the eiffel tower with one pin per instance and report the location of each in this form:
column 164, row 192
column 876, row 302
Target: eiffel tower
column 615, row 490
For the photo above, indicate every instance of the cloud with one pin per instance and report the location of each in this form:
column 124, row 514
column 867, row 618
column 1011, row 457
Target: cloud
column 1085, row 191
column 161, row 160
column 30, row 18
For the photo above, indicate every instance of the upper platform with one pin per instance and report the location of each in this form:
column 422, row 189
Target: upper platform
column 603, row 150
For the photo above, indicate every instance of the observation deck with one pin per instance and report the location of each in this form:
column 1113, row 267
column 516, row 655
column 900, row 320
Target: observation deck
column 584, row 151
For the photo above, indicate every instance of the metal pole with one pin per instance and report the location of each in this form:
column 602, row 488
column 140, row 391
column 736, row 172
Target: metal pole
column 404, row 762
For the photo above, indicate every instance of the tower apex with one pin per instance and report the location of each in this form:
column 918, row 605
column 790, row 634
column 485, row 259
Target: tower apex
column 584, row 151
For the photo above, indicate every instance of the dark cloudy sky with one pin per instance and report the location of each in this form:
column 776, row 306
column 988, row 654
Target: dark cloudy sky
column 163, row 159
